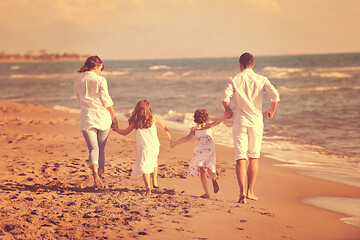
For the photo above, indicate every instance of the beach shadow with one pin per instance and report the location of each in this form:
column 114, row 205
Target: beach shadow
column 39, row 188
column 45, row 188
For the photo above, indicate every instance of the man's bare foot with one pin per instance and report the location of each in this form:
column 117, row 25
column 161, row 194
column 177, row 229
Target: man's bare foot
column 98, row 182
column 206, row 195
column 252, row 197
column 242, row 199
column 148, row 192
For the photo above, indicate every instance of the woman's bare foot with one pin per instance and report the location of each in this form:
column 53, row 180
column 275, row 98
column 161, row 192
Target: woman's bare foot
column 206, row 195
column 98, row 182
column 242, row 199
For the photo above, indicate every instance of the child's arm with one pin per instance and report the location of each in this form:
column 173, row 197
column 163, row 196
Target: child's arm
column 125, row 131
column 217, row 121
column 184, row 139
column 163, row 128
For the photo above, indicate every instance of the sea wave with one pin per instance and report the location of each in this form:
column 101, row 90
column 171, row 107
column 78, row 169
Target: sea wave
column 330, row 74
column 159, row 67
column 16, row 67
column 276, row 72
column 168, row 73
column 43, row 76
column 114, row 73
column 283, row 89
column 337, row 69
column 66, row 109
column 282, row 73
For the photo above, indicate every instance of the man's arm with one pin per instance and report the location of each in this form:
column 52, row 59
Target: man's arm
column 270, row 112
column 228, row 93
column 228, row 111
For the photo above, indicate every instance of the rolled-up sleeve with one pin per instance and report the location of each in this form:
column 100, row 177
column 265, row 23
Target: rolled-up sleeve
column 272, row 92
column 228, row 91
column 104, row 94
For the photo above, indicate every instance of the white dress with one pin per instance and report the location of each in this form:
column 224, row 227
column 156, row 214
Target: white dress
column 204, row 152
column 147, row 147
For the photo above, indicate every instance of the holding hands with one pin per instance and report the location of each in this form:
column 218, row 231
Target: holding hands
column 228, row 113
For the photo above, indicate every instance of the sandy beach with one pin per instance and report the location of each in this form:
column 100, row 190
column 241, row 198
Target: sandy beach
column 46, row 190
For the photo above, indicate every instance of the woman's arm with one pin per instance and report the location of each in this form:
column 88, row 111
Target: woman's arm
column 184, row 139
column 125, row 131
column 113, row 117
column 163, row 128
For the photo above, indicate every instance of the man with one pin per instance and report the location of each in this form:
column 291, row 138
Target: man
column 248, row 88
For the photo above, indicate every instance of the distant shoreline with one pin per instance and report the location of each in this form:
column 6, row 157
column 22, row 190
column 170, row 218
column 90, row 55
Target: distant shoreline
column 19, row 60
column 43, row 56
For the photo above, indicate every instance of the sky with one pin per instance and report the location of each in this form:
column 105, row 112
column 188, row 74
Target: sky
column 155, row 29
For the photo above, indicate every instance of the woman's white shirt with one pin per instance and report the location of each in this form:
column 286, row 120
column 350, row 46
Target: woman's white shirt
column 94, row 99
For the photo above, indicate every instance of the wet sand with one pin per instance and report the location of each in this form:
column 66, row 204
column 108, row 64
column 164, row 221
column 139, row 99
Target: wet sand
column 46, row 190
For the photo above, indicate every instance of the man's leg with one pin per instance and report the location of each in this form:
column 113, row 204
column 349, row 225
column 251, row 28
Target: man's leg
column 241, row 177
column 252, row 174
column 255, row 139
column 240, row 136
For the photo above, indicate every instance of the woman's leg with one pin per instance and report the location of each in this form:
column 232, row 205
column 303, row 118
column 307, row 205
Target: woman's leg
column 146, row 177
column 154, row 178
column 92, row 143
column 102, row 137
column 204, row 183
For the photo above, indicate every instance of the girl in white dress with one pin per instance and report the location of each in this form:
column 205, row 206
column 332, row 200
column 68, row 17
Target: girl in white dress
column 147, row 142
column 204, row 156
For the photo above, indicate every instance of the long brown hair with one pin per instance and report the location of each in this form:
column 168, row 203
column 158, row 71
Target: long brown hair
column 142, row 115
column 90, row 63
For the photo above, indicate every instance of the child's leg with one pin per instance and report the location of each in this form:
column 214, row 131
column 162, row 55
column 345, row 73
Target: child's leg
column 214, row 181
column 154, row 178
column 146, row 177
column 204, row 183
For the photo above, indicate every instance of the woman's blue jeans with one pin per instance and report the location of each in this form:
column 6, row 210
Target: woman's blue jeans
column 96, row 141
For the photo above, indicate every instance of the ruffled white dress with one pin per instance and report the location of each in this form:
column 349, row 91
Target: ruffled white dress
column 204, row 152
column 147, row 146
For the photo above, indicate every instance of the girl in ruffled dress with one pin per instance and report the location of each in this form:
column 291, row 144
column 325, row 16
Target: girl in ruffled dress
column 147, row 142
column 204, row 156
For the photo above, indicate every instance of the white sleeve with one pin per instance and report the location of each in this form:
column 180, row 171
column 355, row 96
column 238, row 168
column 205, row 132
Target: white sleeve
column 228, row 91
column 104, row 93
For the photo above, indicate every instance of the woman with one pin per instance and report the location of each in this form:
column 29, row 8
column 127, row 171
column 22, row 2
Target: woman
column 97, row 113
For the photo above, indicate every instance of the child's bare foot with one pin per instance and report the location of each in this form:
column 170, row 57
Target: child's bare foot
column 242, row 199
column 206, row 195
column 148, row 192
column 215, row 186
column 98, row 182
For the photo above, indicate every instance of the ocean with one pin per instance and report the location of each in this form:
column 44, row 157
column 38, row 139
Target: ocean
column 315, row 128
